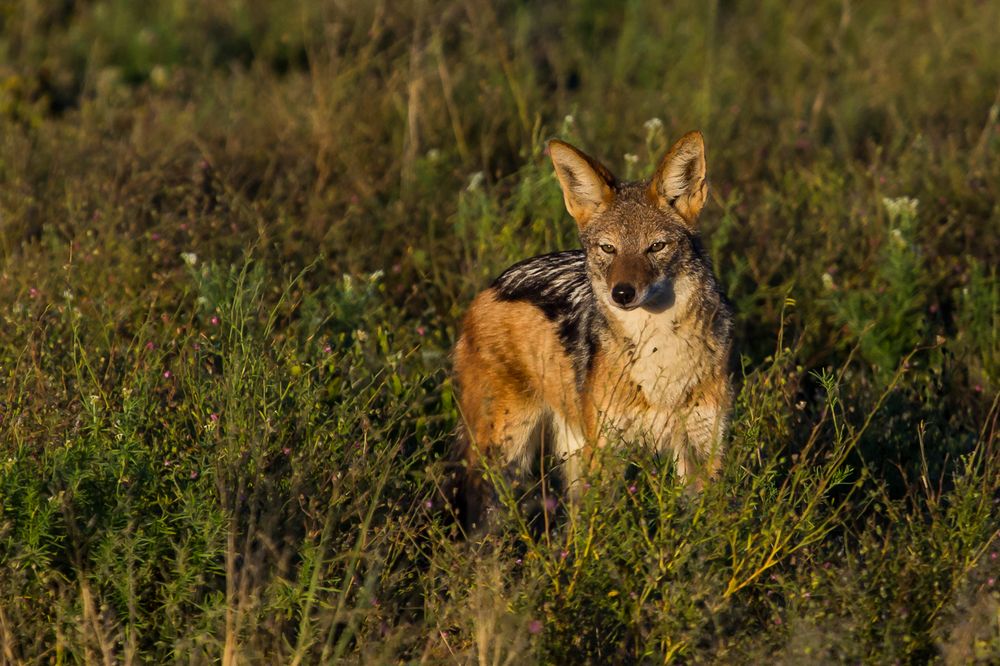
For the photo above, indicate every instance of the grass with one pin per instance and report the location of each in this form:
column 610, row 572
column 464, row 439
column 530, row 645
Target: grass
column 235, row 245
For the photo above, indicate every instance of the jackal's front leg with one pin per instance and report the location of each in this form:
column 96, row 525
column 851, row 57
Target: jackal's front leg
column 502, row 440
column 703, row 431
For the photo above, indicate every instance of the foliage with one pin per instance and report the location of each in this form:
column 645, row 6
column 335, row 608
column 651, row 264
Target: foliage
column 236, row 242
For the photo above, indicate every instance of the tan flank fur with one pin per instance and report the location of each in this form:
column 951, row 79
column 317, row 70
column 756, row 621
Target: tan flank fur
column 625, row 342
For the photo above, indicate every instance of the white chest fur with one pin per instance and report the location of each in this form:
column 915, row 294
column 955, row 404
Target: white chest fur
column 669, row 365
column 665, row 354
column 661, row 359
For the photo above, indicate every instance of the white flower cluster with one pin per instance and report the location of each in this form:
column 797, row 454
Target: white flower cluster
column 901, row 207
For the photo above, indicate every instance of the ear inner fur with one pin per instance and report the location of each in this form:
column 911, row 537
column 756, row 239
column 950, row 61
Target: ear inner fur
column 679, row 181
column 587, row 184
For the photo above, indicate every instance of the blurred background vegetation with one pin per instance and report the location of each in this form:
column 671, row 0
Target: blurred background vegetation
column 236, row 240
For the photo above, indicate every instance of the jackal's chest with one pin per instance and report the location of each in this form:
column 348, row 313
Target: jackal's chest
column 661, row 359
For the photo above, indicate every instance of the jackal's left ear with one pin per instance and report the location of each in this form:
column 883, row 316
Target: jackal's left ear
column 679, row 181
column 586, row 184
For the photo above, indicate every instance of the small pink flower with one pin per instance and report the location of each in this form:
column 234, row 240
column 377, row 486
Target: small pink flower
column 214, row 320
column 990, row 581
column 328, row 349
column 194, row 474
column 563, row 554
column 421, row 330
column 428, row 505
column 632, row 489
column 994, row 555
column 167, row 374
column 535, row 627
column 167, row 463
column 978, row 388
column 518, row 561
column 286, row 450
column 150, row 346
column 33, row 292
column 777, row 621
column 154, row 236
column 213, row 417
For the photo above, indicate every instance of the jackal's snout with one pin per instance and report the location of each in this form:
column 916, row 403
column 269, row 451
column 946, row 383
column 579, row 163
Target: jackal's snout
column 623, row 294
column 628, row 278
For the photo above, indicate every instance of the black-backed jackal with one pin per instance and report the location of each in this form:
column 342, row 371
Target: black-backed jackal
column 625, row 340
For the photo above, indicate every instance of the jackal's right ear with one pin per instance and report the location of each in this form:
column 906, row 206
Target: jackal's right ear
column 586, row 184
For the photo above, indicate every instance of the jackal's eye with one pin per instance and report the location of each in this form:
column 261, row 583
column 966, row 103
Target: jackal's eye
column 657, row 246
column 607, row 248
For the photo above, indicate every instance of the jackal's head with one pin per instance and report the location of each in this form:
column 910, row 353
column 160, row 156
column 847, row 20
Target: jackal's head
column 639, row 238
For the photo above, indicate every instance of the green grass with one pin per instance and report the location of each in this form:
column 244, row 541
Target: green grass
column 235, row 246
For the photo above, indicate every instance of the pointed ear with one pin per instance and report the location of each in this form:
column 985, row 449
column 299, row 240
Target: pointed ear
column 586, row 184
column 679, row 181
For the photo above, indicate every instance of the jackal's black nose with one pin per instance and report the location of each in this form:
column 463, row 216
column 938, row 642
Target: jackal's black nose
column 622, row 293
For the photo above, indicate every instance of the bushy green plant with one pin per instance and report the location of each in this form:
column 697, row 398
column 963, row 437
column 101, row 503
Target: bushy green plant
column 887, row 320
